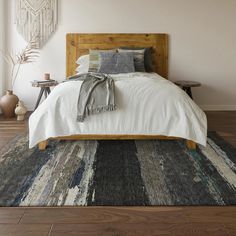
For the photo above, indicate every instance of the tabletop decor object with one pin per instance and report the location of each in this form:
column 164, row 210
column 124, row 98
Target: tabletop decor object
column 20, row 111
column 36, row 19
column 47, row 76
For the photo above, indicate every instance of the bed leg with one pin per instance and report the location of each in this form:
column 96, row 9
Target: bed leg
column 43, row 145
column 191, row 145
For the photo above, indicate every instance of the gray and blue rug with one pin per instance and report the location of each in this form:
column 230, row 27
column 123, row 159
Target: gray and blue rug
column 117, row 173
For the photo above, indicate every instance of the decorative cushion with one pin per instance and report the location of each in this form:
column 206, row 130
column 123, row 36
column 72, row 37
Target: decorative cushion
column 94, row 59
column 138, row 58
column 83, row 60
column 148, row 63
column 116, row 63
column 83, row 63
column 82, row 69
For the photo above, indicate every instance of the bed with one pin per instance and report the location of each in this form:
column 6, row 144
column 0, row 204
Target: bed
column 151, row 107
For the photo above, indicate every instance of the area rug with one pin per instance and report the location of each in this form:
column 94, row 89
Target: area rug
column 118, row 173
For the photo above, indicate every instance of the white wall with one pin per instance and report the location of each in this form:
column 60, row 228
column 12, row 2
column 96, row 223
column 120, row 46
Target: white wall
column 202, row 41
column 2, row 44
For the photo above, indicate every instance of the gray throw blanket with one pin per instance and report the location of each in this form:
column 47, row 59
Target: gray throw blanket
column 97, row 94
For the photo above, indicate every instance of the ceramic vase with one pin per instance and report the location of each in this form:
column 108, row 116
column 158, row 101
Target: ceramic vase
column 20, row 111
column 8, row 104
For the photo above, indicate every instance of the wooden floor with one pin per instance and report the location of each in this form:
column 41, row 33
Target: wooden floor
column 121, row 220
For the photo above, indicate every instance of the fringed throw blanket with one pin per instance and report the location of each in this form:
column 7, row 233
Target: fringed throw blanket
column 97, row 95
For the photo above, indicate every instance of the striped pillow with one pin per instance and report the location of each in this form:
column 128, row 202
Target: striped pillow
column 138, row 58
column 94, row 59
column 148, row 60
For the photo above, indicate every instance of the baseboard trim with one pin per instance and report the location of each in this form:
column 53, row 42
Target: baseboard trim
column 218, row 107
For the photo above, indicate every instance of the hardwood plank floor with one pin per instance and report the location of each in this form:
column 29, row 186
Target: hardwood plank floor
column 224, row 122
column 95, row 215
column 196, row 221
column 12, row 216
column 9, row 128
column 181, row 229
column 23, row 230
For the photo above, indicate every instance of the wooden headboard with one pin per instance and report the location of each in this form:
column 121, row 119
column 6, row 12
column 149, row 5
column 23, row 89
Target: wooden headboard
column 79, row 44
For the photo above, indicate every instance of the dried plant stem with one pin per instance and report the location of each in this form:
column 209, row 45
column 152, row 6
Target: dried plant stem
column 27, row 55
column 16, row 74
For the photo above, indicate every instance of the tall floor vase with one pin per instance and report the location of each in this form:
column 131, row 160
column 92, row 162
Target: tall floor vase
column 8, row 104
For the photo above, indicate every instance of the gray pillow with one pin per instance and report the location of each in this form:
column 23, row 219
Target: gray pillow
column 94, row 59
column 116, row 63
column 148, row 62
column 138, row 58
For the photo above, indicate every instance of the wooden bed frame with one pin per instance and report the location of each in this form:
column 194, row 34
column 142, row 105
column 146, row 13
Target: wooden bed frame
column 79, row 44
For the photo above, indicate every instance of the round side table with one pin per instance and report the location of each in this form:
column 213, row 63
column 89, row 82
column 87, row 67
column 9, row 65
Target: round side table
column 44, row 89
column 187, row 86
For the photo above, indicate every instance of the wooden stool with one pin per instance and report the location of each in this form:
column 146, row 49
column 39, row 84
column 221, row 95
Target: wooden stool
column 187, row 86
column 44, row 89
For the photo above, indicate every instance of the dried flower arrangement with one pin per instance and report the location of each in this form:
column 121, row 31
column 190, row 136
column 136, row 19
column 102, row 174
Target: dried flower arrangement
column 27, row 55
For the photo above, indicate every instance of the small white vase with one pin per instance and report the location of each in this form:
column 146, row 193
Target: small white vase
column 20, row 111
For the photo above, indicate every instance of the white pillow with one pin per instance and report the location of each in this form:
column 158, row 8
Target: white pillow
column 83, row 63
column 82, row 69
column 83, row 60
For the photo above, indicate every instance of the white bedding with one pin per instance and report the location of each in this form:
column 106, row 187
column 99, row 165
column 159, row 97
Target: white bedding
column 147, row 105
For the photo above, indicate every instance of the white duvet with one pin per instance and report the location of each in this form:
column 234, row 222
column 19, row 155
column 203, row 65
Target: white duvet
column 147, row 104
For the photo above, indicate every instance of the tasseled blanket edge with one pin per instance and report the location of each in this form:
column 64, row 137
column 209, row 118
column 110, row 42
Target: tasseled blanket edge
column 97, row 110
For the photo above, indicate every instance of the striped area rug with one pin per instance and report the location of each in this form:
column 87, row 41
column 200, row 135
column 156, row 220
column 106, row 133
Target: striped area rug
column 118, row 173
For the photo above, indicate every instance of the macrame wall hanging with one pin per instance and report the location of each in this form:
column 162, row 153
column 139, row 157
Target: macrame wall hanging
column 36, row 20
